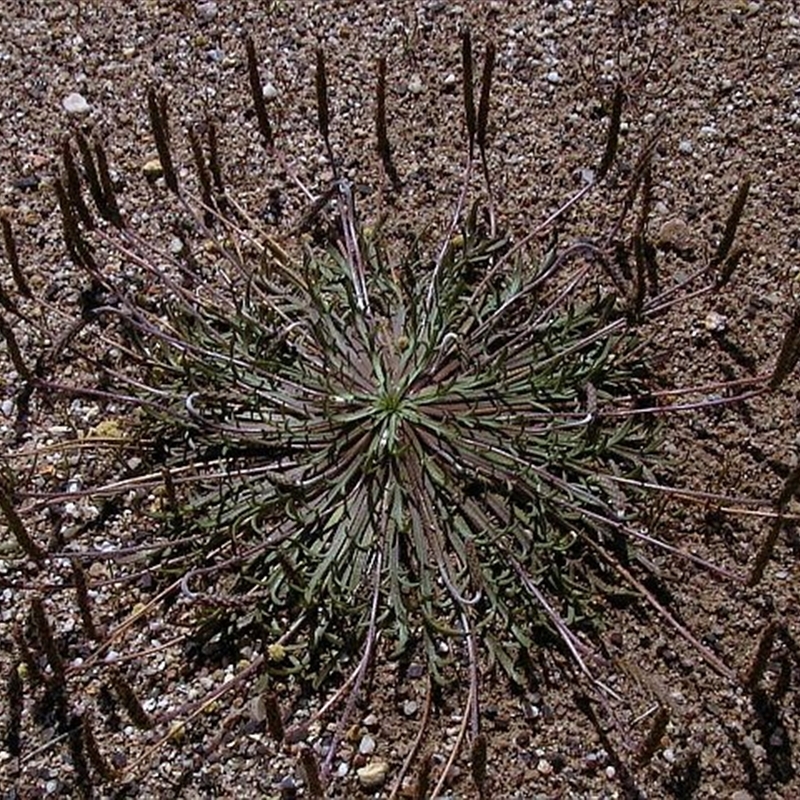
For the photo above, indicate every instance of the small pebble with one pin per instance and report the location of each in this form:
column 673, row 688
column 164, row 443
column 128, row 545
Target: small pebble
column 553, row 77
column 371, row 722
column 714, row 322
column 415, row 671
column 258, row 708
column 675, row 234
column 207, row 11
column 77, row 104
column 152, row 169
column 7, row 408
column 353, row 733
column 776, row 739
column 685, row 148
column 544, row 766
column 373, row 775
column 367, row 746
column 415, row 85
column 410, row 707
column 269, row 91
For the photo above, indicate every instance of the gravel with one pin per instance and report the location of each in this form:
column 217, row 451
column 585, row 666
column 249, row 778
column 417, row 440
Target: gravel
column 721, row 80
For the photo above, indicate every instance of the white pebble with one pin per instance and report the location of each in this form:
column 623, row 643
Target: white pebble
column 686, row 148
column 207, row 11
column 269, row 91
column 77, row 104
column 544, row 766
column 715, row 322
column 553, row 77
column 410, row 707
column 415, row 85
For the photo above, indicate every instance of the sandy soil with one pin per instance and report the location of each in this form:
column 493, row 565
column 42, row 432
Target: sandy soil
column 723, row 78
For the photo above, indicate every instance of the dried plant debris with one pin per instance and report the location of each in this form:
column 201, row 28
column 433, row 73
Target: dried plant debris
column 354, row 450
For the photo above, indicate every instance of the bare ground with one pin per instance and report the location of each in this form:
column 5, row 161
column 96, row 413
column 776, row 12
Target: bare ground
column 723, row 78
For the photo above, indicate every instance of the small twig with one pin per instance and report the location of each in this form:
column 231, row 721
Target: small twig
column 612, row 140
column 425, row 768
column 361, row 672
column 758, row 665
column 82, row 595
column 469, row 91
column 274, row 717
column 213, row 156
column 732, row 223
column 311, row 770
column 455, row 750
column 48, row 745
column 130, row 702
column 730, row 264
column 73, row 181
column 204, row 176
column 44, row 634
column 129, row 622
column 92, row 177
column 79, row 764
column 208, row 701
column 35, row 674
column 13, row 257
column 93, row 752
column 789, row 353
column 481, row 131
column 423, row 782
column 112, row 212
column 384, row 148
column 257, row 93
column 77, row 248
column 323, row 108
column 789, row 490
column 14, row 353
column 650, row 744
column 478, row 763
column 640, row 285
column 15, row 704
column 157, row 109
